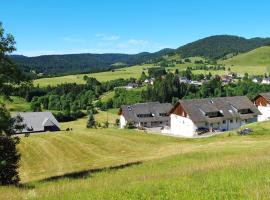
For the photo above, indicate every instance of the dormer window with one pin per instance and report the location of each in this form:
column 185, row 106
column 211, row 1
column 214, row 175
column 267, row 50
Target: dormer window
column 214, row 114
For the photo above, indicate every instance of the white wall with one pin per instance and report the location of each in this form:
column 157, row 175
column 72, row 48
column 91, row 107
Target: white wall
column 185, row 127
column 123, row 121
column 265, row 110
column 182, row 126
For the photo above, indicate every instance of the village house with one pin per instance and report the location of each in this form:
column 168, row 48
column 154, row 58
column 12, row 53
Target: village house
column 38, row 121
column 255, row 80
column 266, row 81
column 262, row 101
column 192, row 117
column 151, row 114
column 184, row 80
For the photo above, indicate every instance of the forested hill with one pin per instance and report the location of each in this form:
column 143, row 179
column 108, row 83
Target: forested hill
column 216, row 47
column 82, row 63
column 213, row 47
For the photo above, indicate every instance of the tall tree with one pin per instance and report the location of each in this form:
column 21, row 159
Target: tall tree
column 91, row 120
column 10, row 76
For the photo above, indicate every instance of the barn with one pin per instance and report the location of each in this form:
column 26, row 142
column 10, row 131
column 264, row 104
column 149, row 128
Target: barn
column 38, row 121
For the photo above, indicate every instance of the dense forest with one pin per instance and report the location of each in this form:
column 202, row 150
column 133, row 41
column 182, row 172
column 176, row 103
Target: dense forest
column 216, row 47
column 51, row 65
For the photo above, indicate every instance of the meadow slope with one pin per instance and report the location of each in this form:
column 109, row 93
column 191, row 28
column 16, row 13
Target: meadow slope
column 127, row 164
column 254, row 62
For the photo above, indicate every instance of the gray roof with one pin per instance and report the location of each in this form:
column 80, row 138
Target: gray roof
column 131, row 112
column 266, row 96
column 36, row 121
column 227, row 106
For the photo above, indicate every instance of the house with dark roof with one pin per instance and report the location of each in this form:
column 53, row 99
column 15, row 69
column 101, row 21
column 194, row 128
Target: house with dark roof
column 38, row 121
column 151, row 114
column 262, row 101
column 193, row 117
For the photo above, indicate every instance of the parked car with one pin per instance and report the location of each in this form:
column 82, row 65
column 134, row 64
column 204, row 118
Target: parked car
column 245, row 131
column 202, row 130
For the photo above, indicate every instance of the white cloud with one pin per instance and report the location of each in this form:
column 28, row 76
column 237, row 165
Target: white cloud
column 107, row 37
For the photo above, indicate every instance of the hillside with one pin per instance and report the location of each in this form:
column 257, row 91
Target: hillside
column 213, row 47
column 81, row 63
column 127, row 164
column 216, row 47
column 257, row 58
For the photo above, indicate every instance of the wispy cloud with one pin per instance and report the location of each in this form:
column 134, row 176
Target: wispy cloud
column 133, row 43
column 72, row 39
column 106, row 37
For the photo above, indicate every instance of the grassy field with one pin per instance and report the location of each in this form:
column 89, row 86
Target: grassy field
column 16, row 104
column 253, row 62
column 125, row 73
column 127, row 164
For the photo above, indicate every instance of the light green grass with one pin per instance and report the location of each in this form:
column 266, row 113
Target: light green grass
column 128, row 72
column 221, row 167
column 110, row 115
column 253, row 62
column 16, row 104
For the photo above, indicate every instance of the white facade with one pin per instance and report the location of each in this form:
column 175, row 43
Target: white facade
column 266, row 81
column 183, row 126
column 265, row 110
column 123, row 121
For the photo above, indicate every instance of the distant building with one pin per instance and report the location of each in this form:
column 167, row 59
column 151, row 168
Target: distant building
column 262, row 101
column 196, row 83
column 152, row 114
column 38, row 121
column 266, row 81
column 255, row 80
column 189, row 117
column 184, row 80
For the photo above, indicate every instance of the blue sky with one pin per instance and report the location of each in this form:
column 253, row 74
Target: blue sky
column 126, row 26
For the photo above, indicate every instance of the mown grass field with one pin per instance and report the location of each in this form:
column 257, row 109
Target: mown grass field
column 253, row 62
column 130, row 72
column 127, row 164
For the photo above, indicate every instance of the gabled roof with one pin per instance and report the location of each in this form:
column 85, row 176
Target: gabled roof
column 131, row 112
column 36, row 121
column 266, row 96
column 228, row 107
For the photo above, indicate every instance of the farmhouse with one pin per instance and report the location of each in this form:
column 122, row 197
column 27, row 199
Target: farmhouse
column 38, row 121
column 152, row 114
column 262, row 101
column 192, row 117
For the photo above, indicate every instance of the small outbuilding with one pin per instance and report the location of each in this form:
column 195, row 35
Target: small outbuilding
column 262, row 101
column 38, row 121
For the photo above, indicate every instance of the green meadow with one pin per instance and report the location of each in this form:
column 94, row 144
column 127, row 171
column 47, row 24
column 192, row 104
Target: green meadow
column 253, row 62
column 128, row 164
column 16, row 104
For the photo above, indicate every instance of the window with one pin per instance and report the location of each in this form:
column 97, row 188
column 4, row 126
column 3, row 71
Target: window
column 231, row 121
column 224, row 121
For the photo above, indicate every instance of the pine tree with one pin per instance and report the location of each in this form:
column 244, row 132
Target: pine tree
column 91, row 120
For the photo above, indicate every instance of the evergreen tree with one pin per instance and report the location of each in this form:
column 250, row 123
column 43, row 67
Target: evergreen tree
column 91, row 121
column 10, row 77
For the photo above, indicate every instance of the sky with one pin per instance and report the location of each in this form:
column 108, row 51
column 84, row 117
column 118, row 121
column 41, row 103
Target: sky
column 43, row 27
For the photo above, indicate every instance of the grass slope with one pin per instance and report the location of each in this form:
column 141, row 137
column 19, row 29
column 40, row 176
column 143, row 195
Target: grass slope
column 222, row 167
column 16, row 104
column 125, row 73
column 253, row 62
